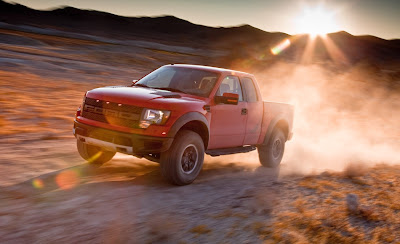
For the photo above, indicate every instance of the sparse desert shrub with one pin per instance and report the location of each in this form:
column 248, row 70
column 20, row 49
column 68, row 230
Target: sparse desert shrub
column 337, row 194
column 299, row 204
column 308, row 182
column 3, row 121
column 162, row 228
column 359, row 181
column 43, row 124
column 355, row 170
column 49, row 137
column 328, row 184
column 264, row 202
column 229, row 213
column 329, row 201
column 200, row 229
column 369, row 213
column 261, row 228
column 383, row 234
column 290, row 236
column 224, row 214
column 395, row 206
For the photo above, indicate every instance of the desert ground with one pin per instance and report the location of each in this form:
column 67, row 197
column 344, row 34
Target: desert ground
column 346, row 146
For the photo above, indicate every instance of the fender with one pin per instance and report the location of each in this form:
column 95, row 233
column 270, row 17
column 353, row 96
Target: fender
column 186, row 118
column 272, row 126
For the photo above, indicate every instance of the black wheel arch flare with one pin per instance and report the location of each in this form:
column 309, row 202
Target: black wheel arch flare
column 188, row 121
column 278, row 122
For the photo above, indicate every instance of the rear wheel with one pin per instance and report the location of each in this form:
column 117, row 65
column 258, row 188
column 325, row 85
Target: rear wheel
column 181, row 164
column 93, row 154
column 271, row 154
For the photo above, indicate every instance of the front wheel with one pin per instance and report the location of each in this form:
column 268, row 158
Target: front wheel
column 181, row 164
column 93, row 154
column 271, row 154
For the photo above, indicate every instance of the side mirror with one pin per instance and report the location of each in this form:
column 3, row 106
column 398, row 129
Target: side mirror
column 227, row 98
column 134, row 82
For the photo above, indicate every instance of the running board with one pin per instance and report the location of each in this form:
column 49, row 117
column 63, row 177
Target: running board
column 227, row 151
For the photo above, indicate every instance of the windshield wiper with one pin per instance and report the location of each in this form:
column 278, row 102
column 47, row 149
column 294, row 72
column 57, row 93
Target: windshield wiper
column 141, row 85
column 169, row 89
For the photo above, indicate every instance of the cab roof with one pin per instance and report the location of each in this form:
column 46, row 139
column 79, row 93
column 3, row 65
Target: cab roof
column 210, row 68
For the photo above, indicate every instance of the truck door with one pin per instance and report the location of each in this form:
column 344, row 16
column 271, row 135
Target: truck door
column 254, row 111
column 228, row 122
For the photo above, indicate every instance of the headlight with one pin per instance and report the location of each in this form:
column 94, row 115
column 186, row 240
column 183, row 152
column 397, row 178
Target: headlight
column 154, row 116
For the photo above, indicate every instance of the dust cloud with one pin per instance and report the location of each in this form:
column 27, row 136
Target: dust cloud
column 342, row 116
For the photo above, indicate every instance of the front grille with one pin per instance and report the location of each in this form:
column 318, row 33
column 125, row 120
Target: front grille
column 112, row 113
column 112, row 105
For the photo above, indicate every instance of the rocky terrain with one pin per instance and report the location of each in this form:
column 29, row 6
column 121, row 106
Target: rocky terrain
column 339, row 181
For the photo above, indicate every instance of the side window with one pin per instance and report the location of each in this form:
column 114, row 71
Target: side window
column 251, row 93
column 230, row 84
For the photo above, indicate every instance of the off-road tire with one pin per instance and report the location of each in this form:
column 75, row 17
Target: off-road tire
column 183, row 161
column 93, row 154
column 271, row 153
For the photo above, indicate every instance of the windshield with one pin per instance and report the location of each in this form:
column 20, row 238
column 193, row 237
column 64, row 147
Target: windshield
column 180, row 79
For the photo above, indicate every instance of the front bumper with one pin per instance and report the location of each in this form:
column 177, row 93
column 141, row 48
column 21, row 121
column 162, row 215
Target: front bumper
column 127, row 143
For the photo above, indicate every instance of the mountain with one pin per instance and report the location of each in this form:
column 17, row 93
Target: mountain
column 109, row 25
column 241, row 42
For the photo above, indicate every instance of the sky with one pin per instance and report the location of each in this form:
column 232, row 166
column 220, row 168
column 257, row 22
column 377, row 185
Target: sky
column 358, row 17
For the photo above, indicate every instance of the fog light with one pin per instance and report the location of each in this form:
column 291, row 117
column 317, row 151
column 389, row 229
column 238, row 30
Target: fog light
column 144, row 124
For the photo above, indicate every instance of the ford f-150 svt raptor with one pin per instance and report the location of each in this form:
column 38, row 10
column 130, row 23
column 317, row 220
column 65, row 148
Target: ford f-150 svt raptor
column 176, row 114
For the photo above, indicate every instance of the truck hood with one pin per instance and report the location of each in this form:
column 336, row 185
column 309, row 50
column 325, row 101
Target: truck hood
column 141, row 96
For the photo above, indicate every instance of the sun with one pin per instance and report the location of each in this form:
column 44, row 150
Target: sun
column 316, row 22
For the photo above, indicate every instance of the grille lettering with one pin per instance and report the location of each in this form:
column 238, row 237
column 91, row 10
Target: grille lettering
column 111, row 112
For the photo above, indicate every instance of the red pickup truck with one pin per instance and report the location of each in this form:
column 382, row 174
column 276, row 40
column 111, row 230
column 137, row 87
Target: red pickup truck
column 176, row 114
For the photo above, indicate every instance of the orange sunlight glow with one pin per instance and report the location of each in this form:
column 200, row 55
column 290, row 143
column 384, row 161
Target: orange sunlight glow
column 67, row 179
column 317, row 21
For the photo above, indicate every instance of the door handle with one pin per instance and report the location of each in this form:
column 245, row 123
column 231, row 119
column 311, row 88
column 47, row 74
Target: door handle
column 244, row 111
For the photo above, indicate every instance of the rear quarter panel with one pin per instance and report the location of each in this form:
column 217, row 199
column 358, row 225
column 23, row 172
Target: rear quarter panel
column 273, row 113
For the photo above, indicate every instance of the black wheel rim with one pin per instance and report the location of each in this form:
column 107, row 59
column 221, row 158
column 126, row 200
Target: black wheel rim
column 277, row 148
column 189, row 159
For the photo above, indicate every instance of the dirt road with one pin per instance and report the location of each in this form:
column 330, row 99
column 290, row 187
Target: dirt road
column 49, row 194
column 58, row 197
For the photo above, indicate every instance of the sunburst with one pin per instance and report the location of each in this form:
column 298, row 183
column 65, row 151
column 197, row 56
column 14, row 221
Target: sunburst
column 316, row 21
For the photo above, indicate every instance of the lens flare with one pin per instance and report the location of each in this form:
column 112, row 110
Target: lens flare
column 67, row 179
column 280, row 47
column 38, row 183
column 95, row 157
